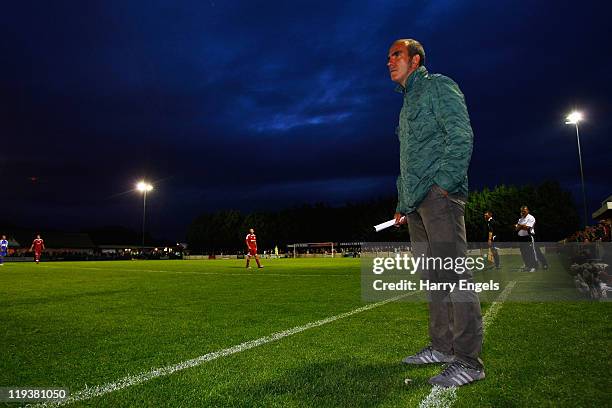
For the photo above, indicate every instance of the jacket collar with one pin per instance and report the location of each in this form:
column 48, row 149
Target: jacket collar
column 415, row 76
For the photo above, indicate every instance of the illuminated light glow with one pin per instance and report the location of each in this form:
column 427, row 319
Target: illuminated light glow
column 573, row 118
column 143, row 186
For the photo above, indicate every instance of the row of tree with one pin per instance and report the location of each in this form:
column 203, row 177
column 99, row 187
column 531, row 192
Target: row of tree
column 554, row 209
column 224, row 231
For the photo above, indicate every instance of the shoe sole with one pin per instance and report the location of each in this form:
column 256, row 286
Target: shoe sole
column 456, row 385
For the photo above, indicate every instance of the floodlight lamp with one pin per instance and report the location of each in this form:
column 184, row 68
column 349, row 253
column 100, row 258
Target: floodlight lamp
column 144, row 187
column 573, row 118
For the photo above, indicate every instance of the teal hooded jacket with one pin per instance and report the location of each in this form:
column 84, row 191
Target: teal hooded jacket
column 435, row 137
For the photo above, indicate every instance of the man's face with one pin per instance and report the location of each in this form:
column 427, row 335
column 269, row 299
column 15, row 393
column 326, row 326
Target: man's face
column 486, row 216
column 400, row 64
column 524, row 211
column 252, row 231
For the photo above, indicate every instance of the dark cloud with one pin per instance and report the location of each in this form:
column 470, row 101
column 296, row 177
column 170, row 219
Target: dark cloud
column 255, row 105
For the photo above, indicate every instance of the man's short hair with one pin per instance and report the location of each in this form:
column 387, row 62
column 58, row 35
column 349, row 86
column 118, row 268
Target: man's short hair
column 414, row 48
column 525, row 207
column 489, row 212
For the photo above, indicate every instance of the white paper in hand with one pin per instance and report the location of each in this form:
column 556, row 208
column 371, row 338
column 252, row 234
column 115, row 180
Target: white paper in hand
column 387, row 224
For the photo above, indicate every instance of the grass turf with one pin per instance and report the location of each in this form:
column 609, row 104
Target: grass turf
column 90, row 323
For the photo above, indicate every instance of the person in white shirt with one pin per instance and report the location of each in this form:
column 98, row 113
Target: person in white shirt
column 529, row 251
column 525, row 229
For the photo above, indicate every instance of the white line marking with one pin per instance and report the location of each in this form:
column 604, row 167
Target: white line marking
column 445, row 397
column 92, row 392
column 496, row 306
column 197, row 273
column 439, row 397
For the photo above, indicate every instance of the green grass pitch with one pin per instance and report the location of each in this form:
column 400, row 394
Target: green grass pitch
column 78, row 324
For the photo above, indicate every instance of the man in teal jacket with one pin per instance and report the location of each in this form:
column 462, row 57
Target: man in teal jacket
column 435, row 149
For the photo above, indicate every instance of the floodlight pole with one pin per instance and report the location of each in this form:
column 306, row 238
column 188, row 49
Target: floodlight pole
column 144, row 212
column 584, row 203
column 144, row 187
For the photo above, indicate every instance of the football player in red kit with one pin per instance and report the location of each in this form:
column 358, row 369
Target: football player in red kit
column 251, row 243
column 38, row 245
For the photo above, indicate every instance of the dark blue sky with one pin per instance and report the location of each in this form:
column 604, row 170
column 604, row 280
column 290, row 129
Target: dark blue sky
column 255, row 105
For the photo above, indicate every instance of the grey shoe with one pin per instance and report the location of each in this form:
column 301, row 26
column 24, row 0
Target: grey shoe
column 428, row 356
column 457, row 374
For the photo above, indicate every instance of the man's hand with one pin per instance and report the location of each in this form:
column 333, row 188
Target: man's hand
column 399, row 219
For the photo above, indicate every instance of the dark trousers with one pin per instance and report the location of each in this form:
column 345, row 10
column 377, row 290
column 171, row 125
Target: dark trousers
column 531, row 253
column 527, row 251
column 437, row 229
column 539, row 255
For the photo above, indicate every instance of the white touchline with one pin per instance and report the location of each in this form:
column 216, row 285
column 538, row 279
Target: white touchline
column 200, row 273
column 445, row 397
column 130, row 380
column 496, row 306
column 439, row 397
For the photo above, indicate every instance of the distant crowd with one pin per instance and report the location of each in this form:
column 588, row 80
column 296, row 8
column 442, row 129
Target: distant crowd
column 38, row 251
column 597, row 233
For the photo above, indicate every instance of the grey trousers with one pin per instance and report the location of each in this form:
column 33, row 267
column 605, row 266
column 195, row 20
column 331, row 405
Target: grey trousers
column 495, row 252
column 437, row 229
